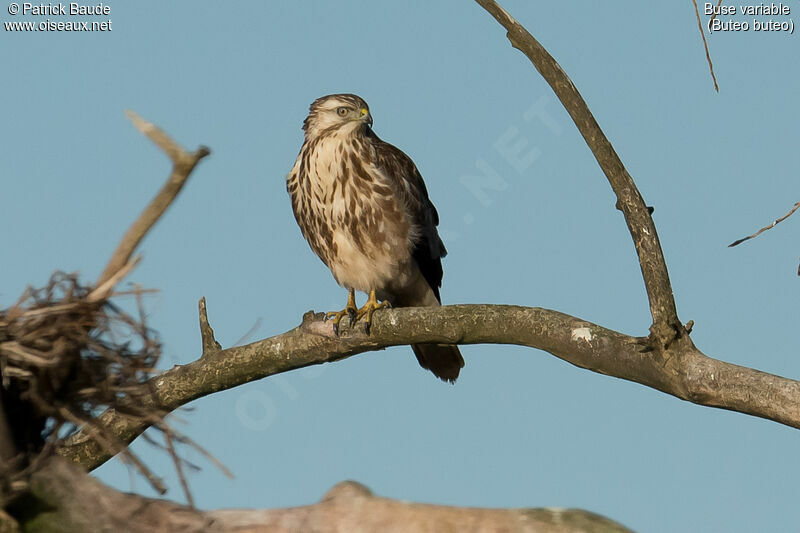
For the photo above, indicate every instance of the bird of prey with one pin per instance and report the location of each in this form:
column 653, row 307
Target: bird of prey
column 364, row 209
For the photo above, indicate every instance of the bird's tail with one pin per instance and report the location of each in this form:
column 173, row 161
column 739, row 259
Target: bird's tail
column 444, row 360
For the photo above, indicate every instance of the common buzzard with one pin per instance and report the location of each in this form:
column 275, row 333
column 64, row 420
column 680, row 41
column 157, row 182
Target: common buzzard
column 363, row 207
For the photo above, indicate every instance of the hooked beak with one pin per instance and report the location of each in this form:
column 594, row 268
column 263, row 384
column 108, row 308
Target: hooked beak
column 366, row 117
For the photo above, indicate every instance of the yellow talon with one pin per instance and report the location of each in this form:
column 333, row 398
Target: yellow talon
column 350, row 310
column 370, row 307
column 355, row 313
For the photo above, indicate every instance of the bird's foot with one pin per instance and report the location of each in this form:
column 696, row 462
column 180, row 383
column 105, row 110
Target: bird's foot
column 370, row 307
column 350, row 310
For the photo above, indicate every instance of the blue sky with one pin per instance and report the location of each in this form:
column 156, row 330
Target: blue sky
column 520, row 428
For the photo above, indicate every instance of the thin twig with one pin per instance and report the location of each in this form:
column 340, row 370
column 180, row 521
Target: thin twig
column 101, row 292
column 714, row 16
column 249, row 333
column 765, row 228
column 49, row 310
column 153, row 442
column 178, row 468
column 705, row 43
column 29, row 355
column 183, row 163
column 183, row 439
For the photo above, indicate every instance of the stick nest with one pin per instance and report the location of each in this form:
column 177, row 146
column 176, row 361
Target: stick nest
column 65, row 355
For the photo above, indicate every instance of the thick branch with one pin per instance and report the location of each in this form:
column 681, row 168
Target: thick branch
column 629, row 200
column 683, row 371
column 350, row 506
column 71, row 501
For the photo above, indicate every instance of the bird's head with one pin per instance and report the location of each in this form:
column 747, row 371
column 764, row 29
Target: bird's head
column 342, row 113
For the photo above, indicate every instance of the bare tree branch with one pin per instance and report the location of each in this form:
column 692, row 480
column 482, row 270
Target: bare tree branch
column 666, row 325
column 705, row 43
column 719, row 3
column 769, row 226
column 682, row 371
column 75, row 502
column 350, row 506
column 183, row 163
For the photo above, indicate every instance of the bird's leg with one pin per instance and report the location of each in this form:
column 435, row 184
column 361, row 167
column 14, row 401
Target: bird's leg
column 369, row 308
column 350, row 309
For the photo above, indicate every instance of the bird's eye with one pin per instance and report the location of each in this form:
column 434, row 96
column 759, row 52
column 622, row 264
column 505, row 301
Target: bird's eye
column 341, row 111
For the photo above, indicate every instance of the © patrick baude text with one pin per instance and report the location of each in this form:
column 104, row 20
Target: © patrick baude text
column 60, row 9
column 761, row 17
column 53, row 11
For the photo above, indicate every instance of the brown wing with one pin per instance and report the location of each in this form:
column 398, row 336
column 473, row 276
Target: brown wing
column 445, row 361
column 429, row 248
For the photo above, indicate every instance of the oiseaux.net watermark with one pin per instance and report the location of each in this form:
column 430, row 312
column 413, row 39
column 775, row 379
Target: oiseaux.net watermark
column 59, row 16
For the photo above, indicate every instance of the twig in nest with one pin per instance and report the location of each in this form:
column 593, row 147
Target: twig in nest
column 769, row 226
column 705, row 43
